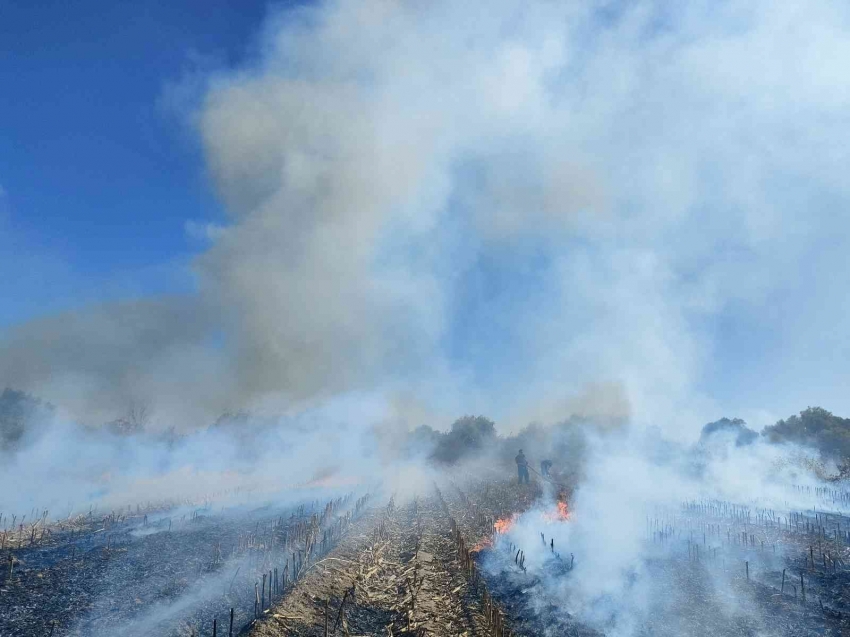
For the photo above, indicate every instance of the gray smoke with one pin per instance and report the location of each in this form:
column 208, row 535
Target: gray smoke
column 492, row 209
column 625, row 582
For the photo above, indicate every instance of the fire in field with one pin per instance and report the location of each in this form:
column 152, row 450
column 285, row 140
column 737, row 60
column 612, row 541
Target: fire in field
column 410, row 318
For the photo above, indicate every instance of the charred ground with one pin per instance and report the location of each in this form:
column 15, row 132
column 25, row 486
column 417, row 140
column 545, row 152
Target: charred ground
column 446, row 562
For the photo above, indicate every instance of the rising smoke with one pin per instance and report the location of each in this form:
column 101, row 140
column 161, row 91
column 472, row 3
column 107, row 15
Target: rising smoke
column 615, row 211
column 490, row 209
column 608, row 569
column 533, row 212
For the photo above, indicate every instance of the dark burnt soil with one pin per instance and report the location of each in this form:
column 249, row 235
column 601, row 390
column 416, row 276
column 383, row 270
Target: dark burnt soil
column 707, row 569
column 677, row 590
column 397, row 573
column 691, row 602
column 164, row 576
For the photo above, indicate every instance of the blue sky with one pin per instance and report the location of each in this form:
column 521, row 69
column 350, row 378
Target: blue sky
column 656, row 203
column 99, row 176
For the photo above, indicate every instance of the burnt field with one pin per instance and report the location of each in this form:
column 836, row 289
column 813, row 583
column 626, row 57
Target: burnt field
column 161, row 573
column 703, row 568
column 460, row 560
column 463, row 557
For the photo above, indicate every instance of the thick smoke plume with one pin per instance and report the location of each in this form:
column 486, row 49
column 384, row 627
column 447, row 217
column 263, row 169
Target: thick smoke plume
column 439, row 201
column 559, row 211
column 608, row 568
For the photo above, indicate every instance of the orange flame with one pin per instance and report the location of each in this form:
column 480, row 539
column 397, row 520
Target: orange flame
column 333, row 480
column 563, row 510
column 503, row 525
column 483, row 544
column 561, row 514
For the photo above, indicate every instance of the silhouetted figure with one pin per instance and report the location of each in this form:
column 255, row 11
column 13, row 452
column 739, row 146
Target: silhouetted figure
column 544, row 468
column 522, row 467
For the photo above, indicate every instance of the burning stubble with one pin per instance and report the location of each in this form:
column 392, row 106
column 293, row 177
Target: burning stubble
column 540, row 212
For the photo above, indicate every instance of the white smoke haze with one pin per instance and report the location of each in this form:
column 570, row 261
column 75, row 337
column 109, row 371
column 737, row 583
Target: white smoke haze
column 624, row 583
column 629, row 213
column 353, row 443
column 441, row 199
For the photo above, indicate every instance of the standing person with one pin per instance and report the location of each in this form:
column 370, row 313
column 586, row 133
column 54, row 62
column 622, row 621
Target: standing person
column 522, row 467
column 544, row 468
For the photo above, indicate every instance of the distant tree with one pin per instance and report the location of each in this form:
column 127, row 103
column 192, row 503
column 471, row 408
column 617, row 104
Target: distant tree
column 20, row 414
column 473, row 431
column 467, row 435
column 844, row 469
column 815, row 427
column 131, row 423
column 230, row 419
column 170, row 437
column 422, row 441
column 535, row 441
column 735, row 427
